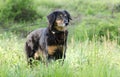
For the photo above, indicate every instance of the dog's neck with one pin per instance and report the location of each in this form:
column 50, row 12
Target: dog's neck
column 54, row 31
column 57, row 36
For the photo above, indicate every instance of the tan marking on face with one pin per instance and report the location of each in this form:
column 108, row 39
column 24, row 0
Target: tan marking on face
column 59, row 25
column 51, row 49
column 59, row 22
column 60, row 28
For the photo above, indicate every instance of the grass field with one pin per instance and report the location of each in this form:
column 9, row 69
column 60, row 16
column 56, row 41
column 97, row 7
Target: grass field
column 84, row 59
column 88, row 55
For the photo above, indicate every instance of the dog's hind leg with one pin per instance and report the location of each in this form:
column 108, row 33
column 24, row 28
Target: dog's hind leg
column 29, row 53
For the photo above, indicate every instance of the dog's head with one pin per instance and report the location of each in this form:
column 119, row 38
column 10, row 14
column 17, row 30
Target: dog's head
column 59, row 20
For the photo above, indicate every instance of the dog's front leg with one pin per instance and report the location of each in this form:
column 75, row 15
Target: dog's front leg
column 45, row 57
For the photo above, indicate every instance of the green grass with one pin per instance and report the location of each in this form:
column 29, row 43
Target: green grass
column 84, row 59
column 93, row 41
column 90, row 18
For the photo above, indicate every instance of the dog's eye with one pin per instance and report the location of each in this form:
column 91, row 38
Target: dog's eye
column 58, row 18
column 65, row 15
column 61, row 15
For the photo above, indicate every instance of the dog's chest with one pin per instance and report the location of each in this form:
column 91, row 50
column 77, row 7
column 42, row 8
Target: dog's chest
column 56, row 39
column 56, row 43
column 55, row 48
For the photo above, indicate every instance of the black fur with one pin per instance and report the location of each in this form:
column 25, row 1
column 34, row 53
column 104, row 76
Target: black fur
column 41, row 43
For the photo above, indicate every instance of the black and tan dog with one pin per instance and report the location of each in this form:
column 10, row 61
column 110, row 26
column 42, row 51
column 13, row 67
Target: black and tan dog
column 49, row 43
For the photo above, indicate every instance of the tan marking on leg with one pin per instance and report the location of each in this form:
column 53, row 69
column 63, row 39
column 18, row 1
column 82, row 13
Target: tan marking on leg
column 38, row 54
column 51, row 49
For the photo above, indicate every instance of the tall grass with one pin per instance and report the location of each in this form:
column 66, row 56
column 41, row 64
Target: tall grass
column 84, row 59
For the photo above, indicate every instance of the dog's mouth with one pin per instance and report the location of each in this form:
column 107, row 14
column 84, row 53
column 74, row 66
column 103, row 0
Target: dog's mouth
column 61, row 28
column 61, row 22
column 61, row 25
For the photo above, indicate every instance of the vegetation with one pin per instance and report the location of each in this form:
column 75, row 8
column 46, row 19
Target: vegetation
column 17, row 10
column 93, row 42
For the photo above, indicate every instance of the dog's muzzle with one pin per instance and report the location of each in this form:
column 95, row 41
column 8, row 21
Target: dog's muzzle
column 66, row 22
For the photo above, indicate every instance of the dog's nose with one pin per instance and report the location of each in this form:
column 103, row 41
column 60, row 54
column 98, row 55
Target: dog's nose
column 66, row 22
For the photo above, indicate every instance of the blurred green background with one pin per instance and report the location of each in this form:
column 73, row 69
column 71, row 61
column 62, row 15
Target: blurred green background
column 93, row 41
column 91, row 18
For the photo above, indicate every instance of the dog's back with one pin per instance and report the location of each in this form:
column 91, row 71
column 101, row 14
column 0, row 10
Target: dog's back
column 35, row 42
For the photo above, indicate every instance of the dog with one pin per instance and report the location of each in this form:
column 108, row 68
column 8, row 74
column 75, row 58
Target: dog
column 49, row 43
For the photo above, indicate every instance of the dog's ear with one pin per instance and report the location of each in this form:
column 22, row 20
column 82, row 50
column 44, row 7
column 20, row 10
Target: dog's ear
column 68, row 15
column 51, row 19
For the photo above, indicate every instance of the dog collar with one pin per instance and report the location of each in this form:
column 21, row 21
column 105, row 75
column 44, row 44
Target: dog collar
column 53, row 32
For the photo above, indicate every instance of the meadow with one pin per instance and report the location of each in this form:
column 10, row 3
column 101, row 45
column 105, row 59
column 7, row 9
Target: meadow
column 93, row 42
